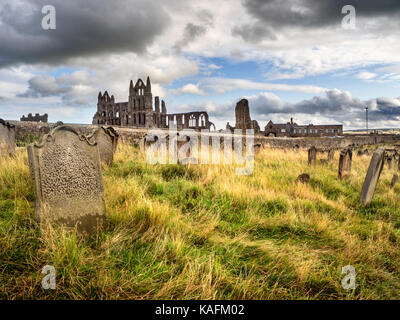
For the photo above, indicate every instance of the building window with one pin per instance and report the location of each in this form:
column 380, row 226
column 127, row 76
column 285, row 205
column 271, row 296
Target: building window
column 310, row 130
column 283, row 130
column 327, row 130
column 294, row 130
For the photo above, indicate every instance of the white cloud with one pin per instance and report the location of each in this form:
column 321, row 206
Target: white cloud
column 214, row 67
column 365, row 75
column 189, row 88
column 223, row 85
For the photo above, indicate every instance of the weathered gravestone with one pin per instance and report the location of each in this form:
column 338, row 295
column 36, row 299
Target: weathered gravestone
column 7, row 138
column 185, row 145
column 323, row 161
column 331, row 155
column 312, row 155
column 65, row 167
column 389, row 161
column 107, row 140
column 394, row 180
column 345, row 163
column 303, row 178
column 372, row 177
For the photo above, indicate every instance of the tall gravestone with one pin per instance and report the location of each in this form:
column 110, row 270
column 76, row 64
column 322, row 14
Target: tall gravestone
column 107, row 141
column 7, row 138
column 331, row 155
column 65, row 167
column 345, row 163
column 398, row 162
column 389, row 161
column 394, row 180
column 372, row 177
column 312, row 155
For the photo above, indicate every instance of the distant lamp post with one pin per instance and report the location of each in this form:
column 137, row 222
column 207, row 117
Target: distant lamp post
column 366, row 117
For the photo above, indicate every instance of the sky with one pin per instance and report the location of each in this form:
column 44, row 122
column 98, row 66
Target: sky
column 303, row 59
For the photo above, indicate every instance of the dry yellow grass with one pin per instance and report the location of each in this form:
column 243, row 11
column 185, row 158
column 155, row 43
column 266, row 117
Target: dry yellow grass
column 202, row 232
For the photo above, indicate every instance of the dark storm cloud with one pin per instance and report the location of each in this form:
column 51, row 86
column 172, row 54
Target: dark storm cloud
column 253, row 32
column 386, row 109
column 193, row 31
column 338, row 106
column 334, row 102
column 43, row 86
column 276, row 14
column 83, row 28
column 190, row 33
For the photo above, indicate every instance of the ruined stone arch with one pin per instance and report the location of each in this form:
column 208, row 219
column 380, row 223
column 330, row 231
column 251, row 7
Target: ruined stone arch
column 202, row 120
column 192, row 120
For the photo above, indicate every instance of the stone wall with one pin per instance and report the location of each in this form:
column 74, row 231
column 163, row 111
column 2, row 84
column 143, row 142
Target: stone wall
column 326, row 143
column 134, row 136
column 37, row 129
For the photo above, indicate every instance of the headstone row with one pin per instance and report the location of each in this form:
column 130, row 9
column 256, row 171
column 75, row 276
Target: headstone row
column 312, row 156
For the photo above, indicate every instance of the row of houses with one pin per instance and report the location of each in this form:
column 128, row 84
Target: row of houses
column 292, row 129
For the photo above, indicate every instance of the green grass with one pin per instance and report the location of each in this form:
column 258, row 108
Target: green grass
column 202, row 232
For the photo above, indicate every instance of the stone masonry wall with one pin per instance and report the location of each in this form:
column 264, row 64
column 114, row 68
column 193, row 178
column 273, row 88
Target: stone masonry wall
column 134, row 135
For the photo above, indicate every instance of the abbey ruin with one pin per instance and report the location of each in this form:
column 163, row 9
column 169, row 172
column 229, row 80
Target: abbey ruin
column 139, row 111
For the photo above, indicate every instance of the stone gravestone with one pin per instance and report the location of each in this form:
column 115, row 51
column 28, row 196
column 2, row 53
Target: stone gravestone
column 107, row 140
column 7, row 138
column 303, row 178
column 66, row 171
column 389, row 162
column 331, row 155
column 398, row 162
column 345, row 164
column 372, row 177
column 312, row 155
column 394, row 180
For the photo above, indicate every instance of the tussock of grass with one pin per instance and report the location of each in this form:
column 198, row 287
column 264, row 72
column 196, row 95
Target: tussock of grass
column 202, row 232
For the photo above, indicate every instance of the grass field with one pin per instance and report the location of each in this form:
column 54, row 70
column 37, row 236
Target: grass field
column 202, row 232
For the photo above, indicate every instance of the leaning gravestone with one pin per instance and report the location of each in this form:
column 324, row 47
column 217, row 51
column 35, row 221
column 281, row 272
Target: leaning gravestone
column 312, row 155
column 65, row 167
column 7, row 138
column 107, row 140
column 345, row 163
column 372, row 177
